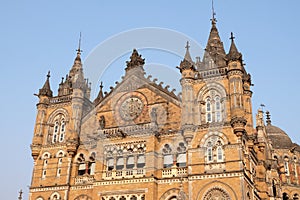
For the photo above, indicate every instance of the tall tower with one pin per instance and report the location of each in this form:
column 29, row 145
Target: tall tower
column 56, row 132
column 217, row 119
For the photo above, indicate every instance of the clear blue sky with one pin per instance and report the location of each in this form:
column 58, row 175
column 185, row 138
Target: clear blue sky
column 36, row 36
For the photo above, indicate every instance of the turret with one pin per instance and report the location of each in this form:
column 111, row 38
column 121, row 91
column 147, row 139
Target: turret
column 187, row 71
column 45, row 93
column 235, row 75
column 100, row 95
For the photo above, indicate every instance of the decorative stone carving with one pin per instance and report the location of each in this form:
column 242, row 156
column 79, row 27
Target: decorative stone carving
column 131, row 108
column 216, row 194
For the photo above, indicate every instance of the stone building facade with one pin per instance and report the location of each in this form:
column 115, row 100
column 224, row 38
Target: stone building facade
column 142, row 141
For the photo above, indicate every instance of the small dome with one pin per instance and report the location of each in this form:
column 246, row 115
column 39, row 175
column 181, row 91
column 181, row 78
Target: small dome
column 279, row 138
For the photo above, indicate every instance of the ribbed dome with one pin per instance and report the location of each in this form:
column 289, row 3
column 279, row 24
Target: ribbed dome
column 279, row 138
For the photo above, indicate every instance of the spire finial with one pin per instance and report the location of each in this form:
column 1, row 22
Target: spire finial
column 101, row 85
column 79, row 44
column 213, row 20
column 231, row 37
column 20, row 194
column 268, row 118
column 48, row 75
column 187, row 46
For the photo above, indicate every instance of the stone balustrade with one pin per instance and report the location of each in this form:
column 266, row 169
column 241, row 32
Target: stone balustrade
column 174, row 172
column 128, row 173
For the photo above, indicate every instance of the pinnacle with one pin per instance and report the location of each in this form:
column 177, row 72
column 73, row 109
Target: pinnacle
column 46, row 90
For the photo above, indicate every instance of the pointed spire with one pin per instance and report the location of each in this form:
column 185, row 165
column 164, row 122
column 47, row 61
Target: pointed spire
column 268, row 118
column 233, row 54
column 187, row 53
column 187, row 62
column 78, row 57
column 46, row 90
column 100, row 94
column 213, row 19
column 214, row 48
column 136, row 60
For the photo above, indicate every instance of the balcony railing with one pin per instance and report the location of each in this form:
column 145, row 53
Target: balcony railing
column 84, row 179
column 129, row 173
column 174, row 172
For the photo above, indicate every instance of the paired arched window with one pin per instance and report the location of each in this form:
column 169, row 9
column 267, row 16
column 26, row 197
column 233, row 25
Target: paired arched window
column 213, row 109
column 86, row 166
column 59, row 129
column 170, row 158
column 214, row 150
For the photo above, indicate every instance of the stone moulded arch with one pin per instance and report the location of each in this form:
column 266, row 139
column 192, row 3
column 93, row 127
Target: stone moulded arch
column 171, row 193
column 56, row 112
column 219, row 186
column 218, row 134
column 209, row 87
column 83, row 197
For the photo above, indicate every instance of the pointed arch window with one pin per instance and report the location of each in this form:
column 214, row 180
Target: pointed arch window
column 208, row 110
column 218, row 116
column 62, row 131
column 59, row 129
column 209, row 152
column 219, row 154
column 55, row 133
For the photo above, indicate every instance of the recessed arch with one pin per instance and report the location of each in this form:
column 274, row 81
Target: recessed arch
column 169, row 194
column 216, row 184
column 55, row 113
column 203, row 92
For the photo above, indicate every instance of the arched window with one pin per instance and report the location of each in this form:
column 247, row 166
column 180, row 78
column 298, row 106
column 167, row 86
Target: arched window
column 110, row 164
column 209, row 152
column 122, row 198
column 62, row 131
column 120, row 163
column 218, row 116
column 219, row 154
column 130, row 162
column 55, row 196
column 296, row 197
column 208, row 110
column 141, row 161
column 81, row 165
column 286, row 166
column 181, row 155
column 55, row 132
column 167, row 156
column 214, row 149
column 285, row 196
column 59, row 129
